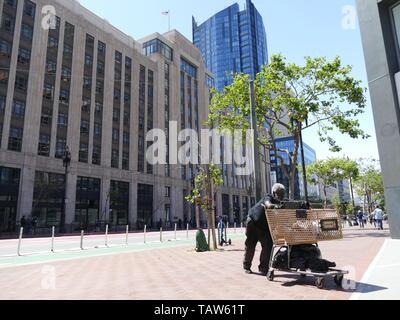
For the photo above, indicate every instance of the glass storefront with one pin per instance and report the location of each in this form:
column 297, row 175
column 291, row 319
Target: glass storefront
column 48, row 195
column 9, row 187
column 119, row 203
column 87, row 206
column 145, row 206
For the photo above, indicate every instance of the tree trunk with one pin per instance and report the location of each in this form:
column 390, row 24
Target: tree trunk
column 198, row 217
column 326, row 198
column 214, row 237
column 293, row 164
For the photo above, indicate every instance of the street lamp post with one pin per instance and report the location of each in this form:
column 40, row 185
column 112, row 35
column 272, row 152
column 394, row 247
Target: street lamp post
column 66, row 164
column 303, row 163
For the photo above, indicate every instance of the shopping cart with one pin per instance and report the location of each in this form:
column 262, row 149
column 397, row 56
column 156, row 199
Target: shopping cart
column 298, row 227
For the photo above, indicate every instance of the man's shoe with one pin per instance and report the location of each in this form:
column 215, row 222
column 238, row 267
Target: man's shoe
column 248, row 271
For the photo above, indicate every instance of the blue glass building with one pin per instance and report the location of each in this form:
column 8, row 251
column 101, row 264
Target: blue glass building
column 232, row 41
column 310, row 157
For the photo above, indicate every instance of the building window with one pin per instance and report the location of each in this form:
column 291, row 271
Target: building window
column 8, row 23
column 12, row 3
column 2, row 103
column 46, row 117
column 48, row 91
column 118, row 57
column 15, row 139
column 24, row 56
column 102, row 48
column 65, row 74
column 88, row 60
column 126, row 138
column 52, row 43
column 99, row 108
column 116, row 114
column 27, row 32
column 3, row 76
column 63, row 120
column 21, row 83
column 97, row 131
column 18, row 109
column 67, row 50
column 168, row 192
column 115, row 135
column 96, row 159
column 61, row 145
column 64, row 97
column 29, row 8
column 114, row 158
column 83, row 152
column 84, row 127
column 100, row 67
column 44, row 145
column 125, row 161
column 99, row 87
column 86, row 106
column 5, row 48
column 51, row 66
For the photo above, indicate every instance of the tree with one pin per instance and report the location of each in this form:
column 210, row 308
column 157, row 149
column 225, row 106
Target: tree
column 327, row 172
column 291, row 98
column 203, row 195
column 369, row 184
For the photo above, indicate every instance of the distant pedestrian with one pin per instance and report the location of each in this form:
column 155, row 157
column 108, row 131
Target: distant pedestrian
column 34, row 224
column 379, row 217
column 29, row 225
column 360, row 217
column 23, row 222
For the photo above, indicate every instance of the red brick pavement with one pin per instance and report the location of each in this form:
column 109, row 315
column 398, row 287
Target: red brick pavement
column 181, row 274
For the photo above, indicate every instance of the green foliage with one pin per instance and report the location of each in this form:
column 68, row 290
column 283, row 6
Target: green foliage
column 370, row 183
column 290, row 98
column 327, row 172
column 330, row 171
column 200, row 194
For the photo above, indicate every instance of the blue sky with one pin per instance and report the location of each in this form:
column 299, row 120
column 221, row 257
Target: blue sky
column 295, row 28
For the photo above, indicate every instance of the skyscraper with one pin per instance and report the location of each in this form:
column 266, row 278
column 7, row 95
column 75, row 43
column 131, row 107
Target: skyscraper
column 232, row 41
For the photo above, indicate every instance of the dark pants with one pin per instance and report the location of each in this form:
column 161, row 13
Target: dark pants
column 254, row 235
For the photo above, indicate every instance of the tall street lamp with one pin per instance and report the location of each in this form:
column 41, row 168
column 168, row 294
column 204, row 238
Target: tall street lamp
column 66, row 163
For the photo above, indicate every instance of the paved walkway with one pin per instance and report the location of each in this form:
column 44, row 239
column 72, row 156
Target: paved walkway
column 384, row 273
column 179, row 273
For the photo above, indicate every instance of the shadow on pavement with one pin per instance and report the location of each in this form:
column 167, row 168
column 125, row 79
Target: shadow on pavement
column 329, row 284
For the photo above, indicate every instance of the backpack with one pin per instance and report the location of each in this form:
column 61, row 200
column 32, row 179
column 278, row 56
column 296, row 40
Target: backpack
column 201, row 242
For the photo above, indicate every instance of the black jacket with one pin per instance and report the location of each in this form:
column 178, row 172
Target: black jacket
column 257, row 213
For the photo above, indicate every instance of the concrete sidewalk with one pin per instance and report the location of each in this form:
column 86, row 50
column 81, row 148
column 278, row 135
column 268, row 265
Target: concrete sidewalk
column 179, row 273
column 384, row 272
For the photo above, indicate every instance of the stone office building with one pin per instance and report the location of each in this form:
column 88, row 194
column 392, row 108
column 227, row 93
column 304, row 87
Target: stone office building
column 84, row 84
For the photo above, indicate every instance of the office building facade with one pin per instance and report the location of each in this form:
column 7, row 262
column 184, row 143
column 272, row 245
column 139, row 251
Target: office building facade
column 380, row 30
column 81, row 83
column 310, row 157
column 232, row 41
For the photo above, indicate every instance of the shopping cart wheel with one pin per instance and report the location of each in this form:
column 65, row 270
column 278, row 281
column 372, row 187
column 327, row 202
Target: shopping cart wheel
column 230, row 242
column 320, row 282
column 270, row 275
column 339, row 280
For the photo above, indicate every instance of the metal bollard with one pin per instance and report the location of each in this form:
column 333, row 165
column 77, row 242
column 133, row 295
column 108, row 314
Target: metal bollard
column 21, row 232
column 145, row 230
column 175, row 231
column 219, row 232
column 235, row 227
column 127, row 235
column 106, row 240
column 241, row 227
column 227, row 228
column 161, row 235
column 82, row 233
column 187, row 231
column 53, row 231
